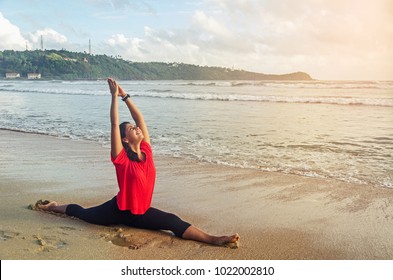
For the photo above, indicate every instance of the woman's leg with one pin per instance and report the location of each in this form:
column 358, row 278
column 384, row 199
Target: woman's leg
column 153, row 219
column 194, row 233
column 156, row 219
column 159, row 220
column 103, row 214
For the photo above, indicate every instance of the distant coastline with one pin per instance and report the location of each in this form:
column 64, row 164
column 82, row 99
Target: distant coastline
column 66, row 65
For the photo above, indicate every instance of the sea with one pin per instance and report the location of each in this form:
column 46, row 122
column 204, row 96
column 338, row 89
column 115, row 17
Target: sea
column 340, row 130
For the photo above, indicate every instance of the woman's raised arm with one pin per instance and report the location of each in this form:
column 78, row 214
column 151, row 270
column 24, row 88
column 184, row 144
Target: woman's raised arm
column 116, row 145
column 136, row 115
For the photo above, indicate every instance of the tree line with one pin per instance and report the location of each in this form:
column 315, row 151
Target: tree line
column 66, row 65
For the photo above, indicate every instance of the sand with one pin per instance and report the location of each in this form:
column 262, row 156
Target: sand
column 278, row 216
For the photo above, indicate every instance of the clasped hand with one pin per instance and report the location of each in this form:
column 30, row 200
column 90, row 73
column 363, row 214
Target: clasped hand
column 115, row 88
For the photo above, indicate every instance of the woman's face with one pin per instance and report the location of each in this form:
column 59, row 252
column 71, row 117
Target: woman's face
column 133, row 134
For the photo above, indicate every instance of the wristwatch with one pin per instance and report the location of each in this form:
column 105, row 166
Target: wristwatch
column 125, row 97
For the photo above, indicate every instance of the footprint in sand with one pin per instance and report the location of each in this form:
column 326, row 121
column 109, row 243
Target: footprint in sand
column 49, row 243
column 68, row 228
column 63, row 230
column 7, row 235
column 137, row 240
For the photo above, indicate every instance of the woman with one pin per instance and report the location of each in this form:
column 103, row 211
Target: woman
column 132, row 156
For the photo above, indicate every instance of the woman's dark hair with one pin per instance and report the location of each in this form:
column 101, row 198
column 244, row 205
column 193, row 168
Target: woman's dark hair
column 130, row 153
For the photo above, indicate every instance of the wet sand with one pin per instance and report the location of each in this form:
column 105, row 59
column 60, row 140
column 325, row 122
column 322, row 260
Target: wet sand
column 278, row 216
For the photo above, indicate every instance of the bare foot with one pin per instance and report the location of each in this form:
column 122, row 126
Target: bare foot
column 229, row 241
column 46, row 205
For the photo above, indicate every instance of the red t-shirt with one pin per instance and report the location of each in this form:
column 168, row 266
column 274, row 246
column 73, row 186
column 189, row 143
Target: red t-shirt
column 136, row 180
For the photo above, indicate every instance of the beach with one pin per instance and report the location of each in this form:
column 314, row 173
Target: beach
column 278, row 216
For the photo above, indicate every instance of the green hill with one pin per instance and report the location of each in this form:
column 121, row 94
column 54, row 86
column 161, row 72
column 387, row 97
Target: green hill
column 65, row 65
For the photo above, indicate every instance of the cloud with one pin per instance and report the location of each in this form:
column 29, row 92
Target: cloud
column 203, row 42
column 153, row 47
column 12, row 39
column 10, row 36
column 337, row 39
column 334, row 40
column 128, row 47
column 51, row 39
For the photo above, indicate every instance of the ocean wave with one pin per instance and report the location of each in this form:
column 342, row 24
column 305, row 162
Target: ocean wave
column 55, row 91
column 170, row 93
column 42, row 133
column 332, row 84
column 101, row 138
column 384, row 181
column 22, row 130
column 202, row 84
column 386, row 102
column 171, row 89
column 314, row 84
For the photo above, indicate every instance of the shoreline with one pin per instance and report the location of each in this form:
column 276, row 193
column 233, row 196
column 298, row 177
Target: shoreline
column 201, row 161
column 278, row 216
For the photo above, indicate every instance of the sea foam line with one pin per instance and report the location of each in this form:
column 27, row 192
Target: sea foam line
column 386, row 102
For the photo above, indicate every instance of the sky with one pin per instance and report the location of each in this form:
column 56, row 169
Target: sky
column 330, row 40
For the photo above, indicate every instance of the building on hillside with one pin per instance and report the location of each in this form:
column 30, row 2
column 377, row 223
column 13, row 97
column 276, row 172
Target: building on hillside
column 33, row 76
column 12, row 75
column 70, row 59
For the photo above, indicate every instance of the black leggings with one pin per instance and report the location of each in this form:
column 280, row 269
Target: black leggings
column 109, row 214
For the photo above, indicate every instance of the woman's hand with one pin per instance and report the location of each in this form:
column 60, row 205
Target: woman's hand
column 122, row 93
column 113, row 87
